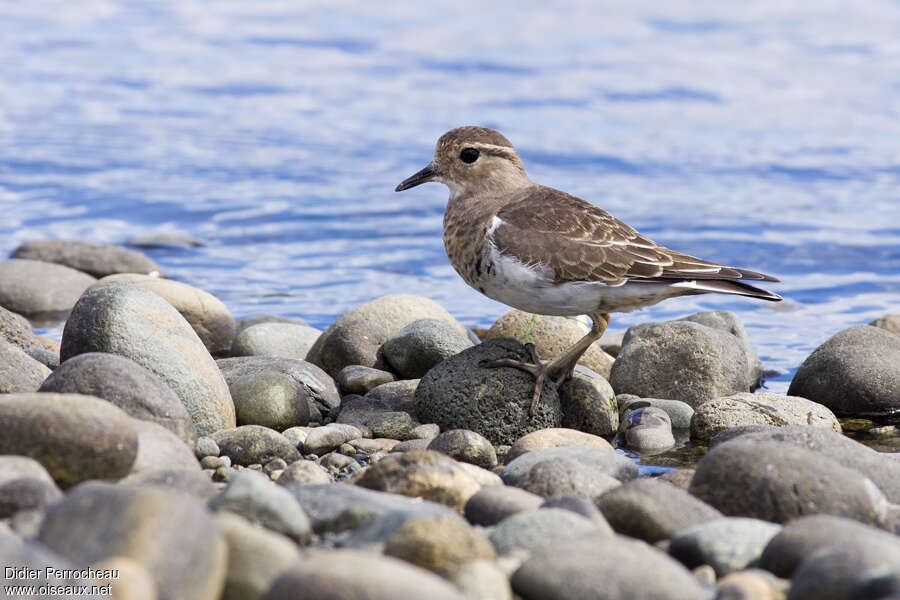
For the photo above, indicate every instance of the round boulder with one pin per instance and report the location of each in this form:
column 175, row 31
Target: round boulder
column 270, row 399
column 458, row 393
column 98, row 260
column 856, row 371
column 206, row 314
column 75, row 437
column 18, row 371
column 126, row 384
column 681, row 360
column 289, row 340
column 414, row 349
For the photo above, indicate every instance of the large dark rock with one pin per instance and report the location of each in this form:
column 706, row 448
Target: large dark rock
column 653, row 510
column 856, row 371
column 322, row 394
column 460, row 394
column 172, row 535
column 357, row 575
column 122, row 318
column 18, row 371
column 414, row 349
column 681, row 360
column 778, row 482
column 128, row 385
column 208, row 315
column 94, row 259
column 611, row 567
column 75, row 437
column 40, row 289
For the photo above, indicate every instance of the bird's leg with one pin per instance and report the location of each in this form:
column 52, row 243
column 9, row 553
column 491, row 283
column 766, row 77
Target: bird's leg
column 561, row 367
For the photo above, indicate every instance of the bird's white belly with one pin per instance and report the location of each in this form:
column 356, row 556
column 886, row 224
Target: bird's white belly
column 532, row 290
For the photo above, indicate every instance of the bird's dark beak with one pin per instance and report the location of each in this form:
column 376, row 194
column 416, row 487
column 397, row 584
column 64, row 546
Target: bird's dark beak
column 424, row 176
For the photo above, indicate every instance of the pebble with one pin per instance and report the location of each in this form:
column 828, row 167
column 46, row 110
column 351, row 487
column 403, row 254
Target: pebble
column 648, row 429
column 74, row 437
column 554, row 437
column 249, row 444
column 259, row 500
column 422, row 474
column 426, row 431
column 320, row 389
column 680, row 413
column 653, row 510
column 256, row 557
column 18, row 371
column 465, row 446
column 589, row 403
column 336, row 461
column 681, row 360
column 126, row 384
column 855, row 372
column 439, row 543
column 531, row 530
column 133, row 322
column 460, row 394
column 357, row 379
column 326, row 438
column 417, row 347
column 205, row 446
column 375, row 445
column 490, row 505
column 288, row 340
column 246, row 322
column 354, row 574
column 569, row 471
column 98, row 260
column 787, row 482
column 623, row 568
column 205, row 313
column 304, row 471
column 727, row 545
column 186, row 554
column 271, row 399
column 763, row 408
column 40, row 289
column 551, row 336
column 337, row 507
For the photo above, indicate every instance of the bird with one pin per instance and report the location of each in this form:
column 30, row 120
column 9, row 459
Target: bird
column 546, row 252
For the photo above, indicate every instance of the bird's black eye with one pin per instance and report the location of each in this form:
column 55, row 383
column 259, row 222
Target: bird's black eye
column 468, row 155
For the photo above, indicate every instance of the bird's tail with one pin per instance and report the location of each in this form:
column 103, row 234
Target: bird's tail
column 723, row 286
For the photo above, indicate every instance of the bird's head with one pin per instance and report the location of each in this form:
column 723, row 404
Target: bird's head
column 472, row 160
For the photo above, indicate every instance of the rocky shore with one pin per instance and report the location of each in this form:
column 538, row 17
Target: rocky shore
column 170, row 452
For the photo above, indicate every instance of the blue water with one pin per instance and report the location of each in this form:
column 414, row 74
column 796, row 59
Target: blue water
column 760, row 134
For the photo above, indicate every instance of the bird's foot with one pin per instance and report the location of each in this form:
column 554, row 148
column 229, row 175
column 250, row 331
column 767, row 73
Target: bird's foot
column 542, row 370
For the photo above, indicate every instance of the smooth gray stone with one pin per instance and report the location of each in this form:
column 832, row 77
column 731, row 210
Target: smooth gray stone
column 855, row 372
column 246, row 322
column 16, row 329
column 128, row 385
column 679, row 412
column 619, row 567
column 492, row 504
column 416, row 348
column 98, row 260
column 186, row 481
column 26, row 493
column 727, row 545
column 534, row 529
column 465, row 446
column 159, row 448
column 270, row 399
column 593, row 460
column 833, row 572
column 18, row 371
column 40, row 289
column 357, row 379
column 337, row 506
column 254, row 444
column 259, row 500
column 288, row 340
column 256, row 557
column 648, row 429
column 122, row 318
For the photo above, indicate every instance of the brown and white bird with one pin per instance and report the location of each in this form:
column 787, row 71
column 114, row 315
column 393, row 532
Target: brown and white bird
column 547, row 252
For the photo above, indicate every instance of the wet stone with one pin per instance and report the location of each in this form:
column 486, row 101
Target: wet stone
column 679, row 412
column 648, row 429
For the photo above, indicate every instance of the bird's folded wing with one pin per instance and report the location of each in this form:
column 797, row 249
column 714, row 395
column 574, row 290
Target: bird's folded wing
column 578, row 241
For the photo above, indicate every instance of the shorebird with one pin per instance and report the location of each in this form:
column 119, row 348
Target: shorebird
column 547, row 252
